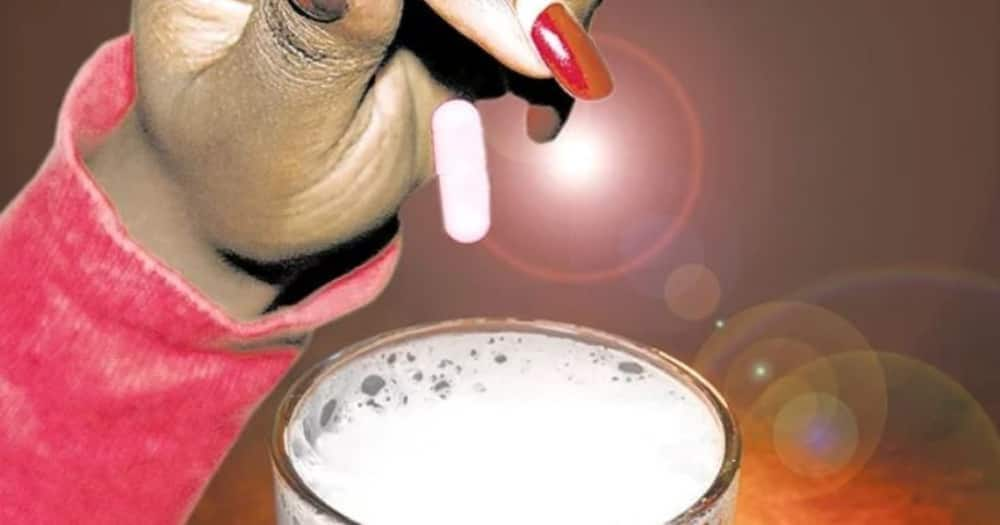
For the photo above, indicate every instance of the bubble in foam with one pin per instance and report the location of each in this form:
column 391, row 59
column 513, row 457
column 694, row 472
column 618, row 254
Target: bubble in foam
column 532, row 430
column 372, row 385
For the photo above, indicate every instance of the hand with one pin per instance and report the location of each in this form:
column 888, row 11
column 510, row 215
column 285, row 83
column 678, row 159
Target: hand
column 276, row 128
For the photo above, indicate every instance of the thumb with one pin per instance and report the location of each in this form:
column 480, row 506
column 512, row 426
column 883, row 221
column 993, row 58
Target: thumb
column 265, row 115
column 294, row 73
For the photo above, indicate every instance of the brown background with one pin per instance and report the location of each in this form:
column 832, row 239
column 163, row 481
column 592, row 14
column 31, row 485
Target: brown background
column 840, row 136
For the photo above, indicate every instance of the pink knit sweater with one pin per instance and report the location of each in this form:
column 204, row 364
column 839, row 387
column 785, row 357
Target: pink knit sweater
column 121, row 388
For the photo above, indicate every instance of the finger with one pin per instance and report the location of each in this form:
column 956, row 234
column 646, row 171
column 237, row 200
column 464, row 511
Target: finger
column 310, row 73
column 494, row 25
column 536, row 38
column 325, row 11
column 278, row 118
column 570, row 53
column 467, row 70
column 300, row 78
column 549, row 106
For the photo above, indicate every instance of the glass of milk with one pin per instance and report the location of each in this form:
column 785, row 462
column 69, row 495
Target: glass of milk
column 501, row 422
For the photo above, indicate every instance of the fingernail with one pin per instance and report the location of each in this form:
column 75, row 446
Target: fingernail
column 571, row 54
column 543, row 123
column 325, row 11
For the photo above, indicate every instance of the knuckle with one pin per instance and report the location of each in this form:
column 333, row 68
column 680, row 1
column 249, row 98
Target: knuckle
column 324, row 11
column 307, row 51
column 289, row 35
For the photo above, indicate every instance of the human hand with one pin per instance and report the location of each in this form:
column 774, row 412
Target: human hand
column 276, row 128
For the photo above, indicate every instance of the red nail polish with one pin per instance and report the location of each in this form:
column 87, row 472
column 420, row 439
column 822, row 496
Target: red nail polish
column 571, row 54
column 325, row 11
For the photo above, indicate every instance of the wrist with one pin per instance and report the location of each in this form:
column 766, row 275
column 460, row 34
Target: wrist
column 154, row 210
column 299, row 276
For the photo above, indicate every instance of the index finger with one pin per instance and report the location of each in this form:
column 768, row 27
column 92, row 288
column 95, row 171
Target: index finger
column 536, row 38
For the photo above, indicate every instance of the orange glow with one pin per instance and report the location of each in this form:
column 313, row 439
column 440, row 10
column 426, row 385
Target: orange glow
column 936, row 460
column 885, row 494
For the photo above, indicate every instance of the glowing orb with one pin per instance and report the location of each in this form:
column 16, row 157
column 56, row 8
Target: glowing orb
column 815, row 435
column 558, row 206
column 578, row 160
column 693, row 292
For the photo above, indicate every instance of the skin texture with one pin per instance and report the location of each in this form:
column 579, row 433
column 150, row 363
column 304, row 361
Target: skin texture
column 268, row 134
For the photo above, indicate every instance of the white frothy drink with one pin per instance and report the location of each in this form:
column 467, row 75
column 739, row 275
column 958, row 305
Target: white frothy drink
column 504, row 428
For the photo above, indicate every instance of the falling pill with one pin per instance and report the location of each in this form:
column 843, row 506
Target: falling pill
column 463, row 180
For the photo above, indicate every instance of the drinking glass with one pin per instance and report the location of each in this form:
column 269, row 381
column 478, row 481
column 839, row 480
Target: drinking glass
column 306, row 402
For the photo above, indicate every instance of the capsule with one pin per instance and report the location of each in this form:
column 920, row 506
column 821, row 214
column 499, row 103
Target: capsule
column 463, row 178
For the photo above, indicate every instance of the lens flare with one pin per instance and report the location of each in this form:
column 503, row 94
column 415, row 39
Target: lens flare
column 693, row 292
column 909, row 275
column 766, row 361
column 578, row 161
column 800, row 378
column 639, row 150
column 936, row 460
column 910, row 303
column 937, row 429
column 818, row 426
column 783, row 334
column 815, row 435
column 686, row 248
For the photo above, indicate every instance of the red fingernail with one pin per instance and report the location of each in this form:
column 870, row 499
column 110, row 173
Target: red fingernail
column 325, row 11
column 571, row 54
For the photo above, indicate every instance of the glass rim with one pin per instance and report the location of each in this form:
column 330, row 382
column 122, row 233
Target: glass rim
column 300, row 389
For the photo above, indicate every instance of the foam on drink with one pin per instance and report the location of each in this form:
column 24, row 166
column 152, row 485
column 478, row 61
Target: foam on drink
column 511, row 428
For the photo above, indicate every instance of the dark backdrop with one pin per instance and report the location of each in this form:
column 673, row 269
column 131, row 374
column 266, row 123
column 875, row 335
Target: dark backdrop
column 841, row 137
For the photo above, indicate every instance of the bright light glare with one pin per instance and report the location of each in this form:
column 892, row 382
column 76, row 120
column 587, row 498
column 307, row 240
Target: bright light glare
column 577, row 159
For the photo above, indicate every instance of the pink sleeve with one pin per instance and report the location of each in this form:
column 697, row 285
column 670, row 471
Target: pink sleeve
column 120, row 391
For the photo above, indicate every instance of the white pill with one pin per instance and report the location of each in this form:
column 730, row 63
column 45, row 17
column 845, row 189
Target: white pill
column 460, row 161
